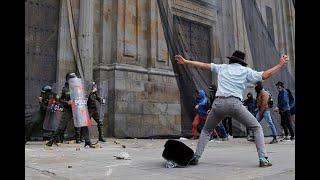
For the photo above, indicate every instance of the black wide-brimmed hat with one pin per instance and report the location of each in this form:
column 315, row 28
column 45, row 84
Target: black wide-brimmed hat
column 238, row 56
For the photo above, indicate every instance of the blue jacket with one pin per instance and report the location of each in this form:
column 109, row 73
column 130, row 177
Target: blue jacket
column 202, row 102
column 283, row 100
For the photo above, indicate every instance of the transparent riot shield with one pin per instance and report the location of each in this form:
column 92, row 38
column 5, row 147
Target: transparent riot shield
column 103, row 92
column 78, row 94
column 53, row 112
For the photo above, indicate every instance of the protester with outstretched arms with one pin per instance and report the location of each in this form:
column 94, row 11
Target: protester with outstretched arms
column 232, row 80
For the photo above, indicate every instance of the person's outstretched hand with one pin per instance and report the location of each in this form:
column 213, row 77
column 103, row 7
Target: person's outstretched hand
column 283, row 60
column 180, row 59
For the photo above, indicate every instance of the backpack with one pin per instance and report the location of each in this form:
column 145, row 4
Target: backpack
column 291, row 98
column 270, row 100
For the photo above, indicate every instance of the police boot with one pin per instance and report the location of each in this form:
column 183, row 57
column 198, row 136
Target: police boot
column 100, row 132
column 61, row 138
column 81, row 139
column 81, row 135
column 52, row 141
column 88, row 143
column 77, row 135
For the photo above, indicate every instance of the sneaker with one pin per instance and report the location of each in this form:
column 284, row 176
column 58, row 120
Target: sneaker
column 273, row 141
column 89, row 144
column 50, row 142
column 194, row 160
column 285, row 139
column 224, row 139
column 264, row 162
column 101, row 139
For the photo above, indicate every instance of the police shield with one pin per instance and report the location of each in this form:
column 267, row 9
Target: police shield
column 103, row 91
column 79, row 105
column 53, row 112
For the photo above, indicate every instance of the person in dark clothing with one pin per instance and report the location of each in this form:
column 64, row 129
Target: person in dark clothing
column 292, row 105
column 251, row 105
column 67, row 116
column 93, row 110
column 284, row 110
column 227, row 123
column 37, row 120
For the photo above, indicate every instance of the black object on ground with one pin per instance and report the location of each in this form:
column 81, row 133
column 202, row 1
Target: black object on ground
column 177, row 152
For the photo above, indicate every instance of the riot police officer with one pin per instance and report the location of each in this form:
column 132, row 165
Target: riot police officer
column 66, row 101
column 37, row 121
column 93, row 110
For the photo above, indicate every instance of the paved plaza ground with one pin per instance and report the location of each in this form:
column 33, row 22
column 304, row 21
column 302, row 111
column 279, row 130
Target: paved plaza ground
column 233, row 159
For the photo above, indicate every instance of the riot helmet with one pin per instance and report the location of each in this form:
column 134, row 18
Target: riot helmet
column 46, row 88
column 70, row 75
column 94, row 87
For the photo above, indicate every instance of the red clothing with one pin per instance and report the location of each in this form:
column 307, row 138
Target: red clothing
column 196, row 121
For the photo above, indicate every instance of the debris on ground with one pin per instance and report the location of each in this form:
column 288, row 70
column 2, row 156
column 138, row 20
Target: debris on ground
column 109, row 172
column 123, row 155
column 70, row 142
column 48, row 147
column 98, row 146
column 182, row 138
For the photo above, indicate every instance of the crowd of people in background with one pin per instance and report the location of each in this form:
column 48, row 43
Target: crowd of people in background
column 260, row 107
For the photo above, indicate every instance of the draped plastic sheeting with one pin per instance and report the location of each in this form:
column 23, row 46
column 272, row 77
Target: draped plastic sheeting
column 189, row 79
column 264, row 52
column 181, row 37
column 263, row 49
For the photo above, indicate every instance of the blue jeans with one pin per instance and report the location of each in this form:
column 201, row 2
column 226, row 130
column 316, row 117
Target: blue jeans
column 267, row 116
column 222, row 130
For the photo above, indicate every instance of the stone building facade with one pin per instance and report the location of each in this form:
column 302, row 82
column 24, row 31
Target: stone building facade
column 122, row 42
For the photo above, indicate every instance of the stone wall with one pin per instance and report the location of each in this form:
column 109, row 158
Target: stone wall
column 130, row 52
column 144, row 99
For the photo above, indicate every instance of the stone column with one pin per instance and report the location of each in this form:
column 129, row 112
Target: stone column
column 85, row 37
column 65, row 58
